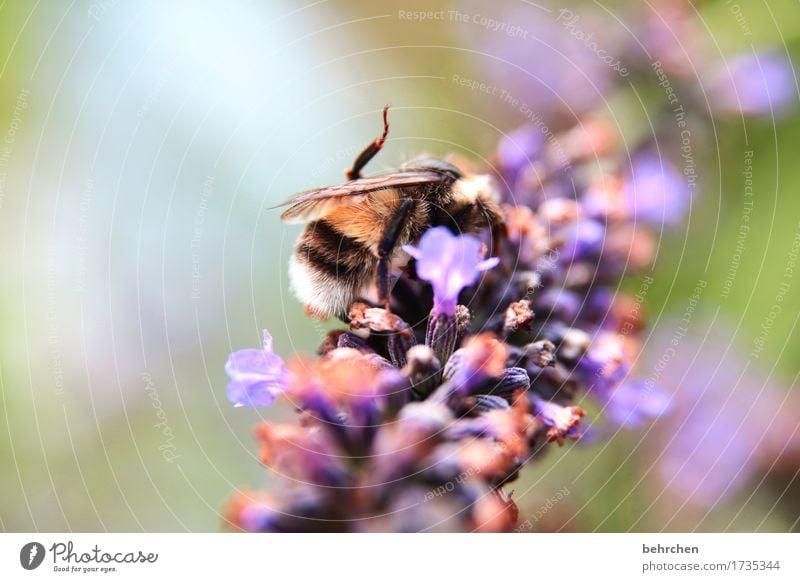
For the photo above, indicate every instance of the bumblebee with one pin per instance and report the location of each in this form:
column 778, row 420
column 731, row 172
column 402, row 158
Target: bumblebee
column 355, row 231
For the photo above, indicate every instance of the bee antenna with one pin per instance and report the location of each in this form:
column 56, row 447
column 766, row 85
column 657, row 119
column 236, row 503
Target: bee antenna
column 370, row 151
column 385, row 133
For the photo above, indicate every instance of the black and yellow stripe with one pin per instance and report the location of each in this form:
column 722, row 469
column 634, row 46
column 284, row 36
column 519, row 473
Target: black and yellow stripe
column 329, row 251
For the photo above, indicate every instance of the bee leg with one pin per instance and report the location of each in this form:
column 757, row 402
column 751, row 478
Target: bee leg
column 386, row 246
column 498, row 235
column 370, row 151
column 382, row 284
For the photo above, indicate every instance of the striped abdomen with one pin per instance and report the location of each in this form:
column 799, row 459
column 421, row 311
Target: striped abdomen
column 329, row 269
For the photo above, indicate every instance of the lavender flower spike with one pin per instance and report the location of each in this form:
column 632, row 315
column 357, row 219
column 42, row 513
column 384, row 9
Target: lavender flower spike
column 257, row 376
column 449, row 263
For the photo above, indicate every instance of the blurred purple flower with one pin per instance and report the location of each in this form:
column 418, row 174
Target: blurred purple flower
column 673, row 37
column 598, row 305
column 604, row 364
column 563, row 421
column 553, row 70
column 257, row 517
column 584, row 238
column 655, row 191
column 561, row 303
column 633, row 403
column 257, row 376
column 629, row 403
column 725, row 410
column 519, row 149
column 753, row 84
column 449, row 263
column 482, row 358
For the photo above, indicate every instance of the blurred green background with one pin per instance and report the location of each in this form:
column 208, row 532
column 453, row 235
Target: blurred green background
column 144, row 144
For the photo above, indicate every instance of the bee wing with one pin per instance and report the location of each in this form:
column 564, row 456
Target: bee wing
column 314, row 204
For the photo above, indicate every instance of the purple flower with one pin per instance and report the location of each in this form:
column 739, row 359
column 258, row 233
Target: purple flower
column 583, row 238
column 604, row 364
column 482, row 358
column 559, row 303
column 519, row 149
column 727, row 411
column 752, row 84
column 655, row 192
column 553, row 70
column 631, row 404
column 449, row 263
column 257, row 517
column 598, row 305
column 626, row 403
column 563, row 422
column 257, row 376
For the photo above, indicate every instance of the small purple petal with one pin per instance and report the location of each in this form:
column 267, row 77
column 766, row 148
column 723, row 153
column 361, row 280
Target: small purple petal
column 655, row 191
column 753, row 85
column 257, row 518
column 267, row 342
column 564, row 422
column 487, row 264
column 633, row 403
column 598, row 305
column 559, row 303
column 413, row 251
column 252, row 394
column 257, row 376
column 603, row 366
column 519, row 149
column 584, row 238
column 252, row 364
column 449, row 263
